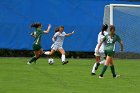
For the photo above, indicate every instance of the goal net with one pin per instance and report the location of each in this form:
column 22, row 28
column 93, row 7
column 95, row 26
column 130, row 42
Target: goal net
column 126, row 19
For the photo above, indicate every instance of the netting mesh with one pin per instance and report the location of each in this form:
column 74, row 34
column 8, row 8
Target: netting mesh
column 127, row 23
column 106, row 19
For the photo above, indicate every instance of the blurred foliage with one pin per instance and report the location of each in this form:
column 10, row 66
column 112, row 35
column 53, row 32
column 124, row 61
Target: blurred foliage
column 29, row 53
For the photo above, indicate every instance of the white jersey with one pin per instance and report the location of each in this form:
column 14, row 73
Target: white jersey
column 59, row 38
column 100, row 38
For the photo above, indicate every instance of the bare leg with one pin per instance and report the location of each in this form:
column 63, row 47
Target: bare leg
column 40, row 54
column 41, row 51
column 35, row 57
column 95, row 67
column 107, row 62
column 62, row 51
column 112, row 68
column 49, row 52
column 97, row 62
column 103, row 61
column 97, row 59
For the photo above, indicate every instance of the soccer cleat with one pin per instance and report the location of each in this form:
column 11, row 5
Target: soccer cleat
column 101, row 76
column 65, row 62
column 28, row 63
column 98, row 64
column 116, row 76
column 93, row 74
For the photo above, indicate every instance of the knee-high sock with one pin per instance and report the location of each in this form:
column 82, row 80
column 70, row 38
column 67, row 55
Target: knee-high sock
column 63, row 58
column 38, row 57
column 93, row 69
column 113, row 70
column 103, row 70
column 47, row 53
column 33, row 59
column 95, row 64
column 102, row 62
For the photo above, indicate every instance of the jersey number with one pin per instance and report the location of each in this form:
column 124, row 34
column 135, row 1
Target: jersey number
column 109, row 40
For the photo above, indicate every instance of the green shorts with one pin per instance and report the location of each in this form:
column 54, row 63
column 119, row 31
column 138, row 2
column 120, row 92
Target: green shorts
column 109, row 53
column 36, row 47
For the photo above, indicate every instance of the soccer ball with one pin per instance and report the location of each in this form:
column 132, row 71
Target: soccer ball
column 50, row 61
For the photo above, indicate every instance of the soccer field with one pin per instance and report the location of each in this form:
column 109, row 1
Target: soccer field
column 18, row 77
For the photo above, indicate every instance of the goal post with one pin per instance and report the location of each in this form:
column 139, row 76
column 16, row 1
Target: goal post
column 126, row 18
column 119, row 5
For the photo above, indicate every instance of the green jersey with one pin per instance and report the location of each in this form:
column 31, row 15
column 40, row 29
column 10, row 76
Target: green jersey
column 38, row 32
column 110, row 43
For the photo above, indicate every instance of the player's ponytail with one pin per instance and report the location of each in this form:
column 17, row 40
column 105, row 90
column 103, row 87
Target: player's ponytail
column 36, row 25
column 104, row 28
column 56, row 30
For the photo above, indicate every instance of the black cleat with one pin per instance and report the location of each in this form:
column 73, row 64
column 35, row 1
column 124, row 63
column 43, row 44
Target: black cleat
column 98, row 64
column 93, row 74
column 65, row 62
column 116, row 76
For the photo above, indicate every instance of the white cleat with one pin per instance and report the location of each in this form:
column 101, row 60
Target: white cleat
column 101, row 77
column 117, row 76
column 28, row 63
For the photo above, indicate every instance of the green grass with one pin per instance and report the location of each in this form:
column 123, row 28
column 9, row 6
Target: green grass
column 18, row 77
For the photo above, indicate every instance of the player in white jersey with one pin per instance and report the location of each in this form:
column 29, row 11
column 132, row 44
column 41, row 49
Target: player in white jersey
column 58, row 40
column 101, row 53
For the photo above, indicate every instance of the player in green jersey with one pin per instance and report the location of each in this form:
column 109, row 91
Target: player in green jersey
column 110, row 41
column 37, row 34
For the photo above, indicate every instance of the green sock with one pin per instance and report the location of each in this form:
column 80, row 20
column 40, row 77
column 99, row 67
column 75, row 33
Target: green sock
column 103, row 70
column 113, row 70
column 33, row 59
column 37, row 58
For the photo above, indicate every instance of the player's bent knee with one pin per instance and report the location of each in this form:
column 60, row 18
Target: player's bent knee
column 36, row 56
column 51, row 53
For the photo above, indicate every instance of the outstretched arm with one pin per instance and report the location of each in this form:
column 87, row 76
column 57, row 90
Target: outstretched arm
column 48, row 29
column 69, row 34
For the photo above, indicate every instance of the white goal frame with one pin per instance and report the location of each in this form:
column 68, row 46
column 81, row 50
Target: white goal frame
column 119, row 5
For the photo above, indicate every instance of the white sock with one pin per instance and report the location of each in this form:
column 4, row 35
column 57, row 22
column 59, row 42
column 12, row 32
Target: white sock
column 47, row 53
column 102, row 62
column 63, row 58
column 93, row 69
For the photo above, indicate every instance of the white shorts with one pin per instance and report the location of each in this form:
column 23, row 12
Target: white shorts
column 56, row 47
column 101, row 52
